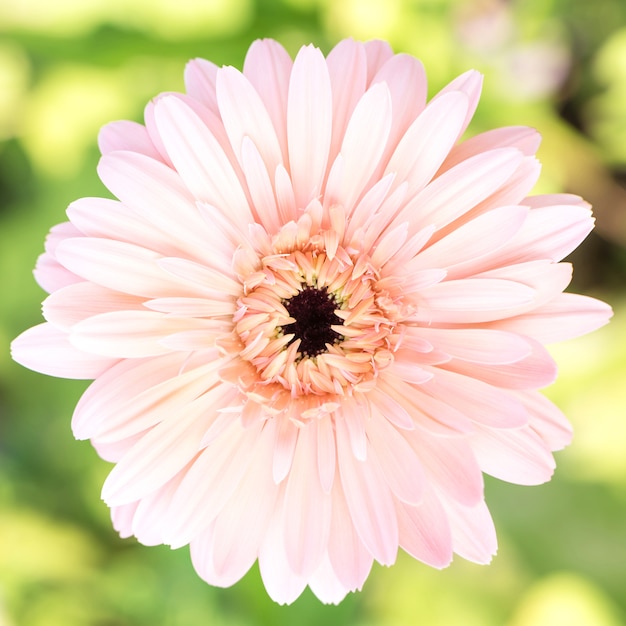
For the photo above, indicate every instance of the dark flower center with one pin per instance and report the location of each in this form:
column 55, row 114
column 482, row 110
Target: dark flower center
column 314, row 312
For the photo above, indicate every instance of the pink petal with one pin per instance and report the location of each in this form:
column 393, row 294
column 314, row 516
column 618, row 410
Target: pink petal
column 153, row 132
column 534, row 371
column 192, row 307
column 200, row 159
column 281, row 583
column 46, row 349
column 512, row 191
column 565, row 316
column 363, row 144
column 241, row 526
column 309, row 123
column 368, row 206
column 523, row 138
column 471, row 300
column 260, row 185
column 210, row 482
column 157, row 457
column 244, row 115
column 51, row 275
column 458, row 190
column 150, row 514
column 474, row 246
column 476, row 345
column 125, row 135
column 450, row 465
column 482, row 403
column 473, row 532
column 400, row 466
column 425, row 532
column 390, row 406
column 121, row 266
column 378, row 53
column 306, row 513
column 427, row 413
column 547, row 420
column 347, row 58
column 470, row 83
column 349, row 558
column 268, row 67
column 74, row 303
column 155, row 193
column 205, row 279
column 355, row 415
column 406, row 79
column 131, row 334
column 547, row 279
column 200, row 78
column 369, row 500
column 131, row 389
column 426, row 143
column 325, row 584
column 518, row 456
column 284, row 447
column 122, row 518
column 109, row 219
column 549, row 233
column 326, row 453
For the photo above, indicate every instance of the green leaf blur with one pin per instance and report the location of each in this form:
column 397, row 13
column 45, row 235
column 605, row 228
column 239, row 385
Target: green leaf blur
column 67, row 67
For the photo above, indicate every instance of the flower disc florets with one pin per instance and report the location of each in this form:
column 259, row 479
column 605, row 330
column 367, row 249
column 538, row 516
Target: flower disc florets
column 303, row 287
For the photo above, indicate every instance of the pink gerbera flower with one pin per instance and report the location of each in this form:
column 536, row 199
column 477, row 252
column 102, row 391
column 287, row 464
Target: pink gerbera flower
column 313, row 317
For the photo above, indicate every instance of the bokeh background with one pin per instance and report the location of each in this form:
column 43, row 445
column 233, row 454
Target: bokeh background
column 69, row 66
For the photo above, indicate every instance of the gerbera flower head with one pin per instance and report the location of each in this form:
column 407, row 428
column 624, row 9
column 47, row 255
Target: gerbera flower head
column 314, row 317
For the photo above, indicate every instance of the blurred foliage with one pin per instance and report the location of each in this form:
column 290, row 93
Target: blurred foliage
column 67, row 67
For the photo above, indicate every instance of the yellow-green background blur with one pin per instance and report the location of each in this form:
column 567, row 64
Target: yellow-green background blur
column 69, row 66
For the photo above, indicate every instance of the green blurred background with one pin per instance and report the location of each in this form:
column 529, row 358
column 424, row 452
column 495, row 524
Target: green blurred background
column 67, row 67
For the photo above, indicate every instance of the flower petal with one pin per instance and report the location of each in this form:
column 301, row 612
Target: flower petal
column 425, row 531
column 369, row 500
column 47, row 349
column 309, row 123
column 200, row 159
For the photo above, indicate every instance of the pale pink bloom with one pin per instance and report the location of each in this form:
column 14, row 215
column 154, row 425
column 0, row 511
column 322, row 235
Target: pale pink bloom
column 313, row 317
